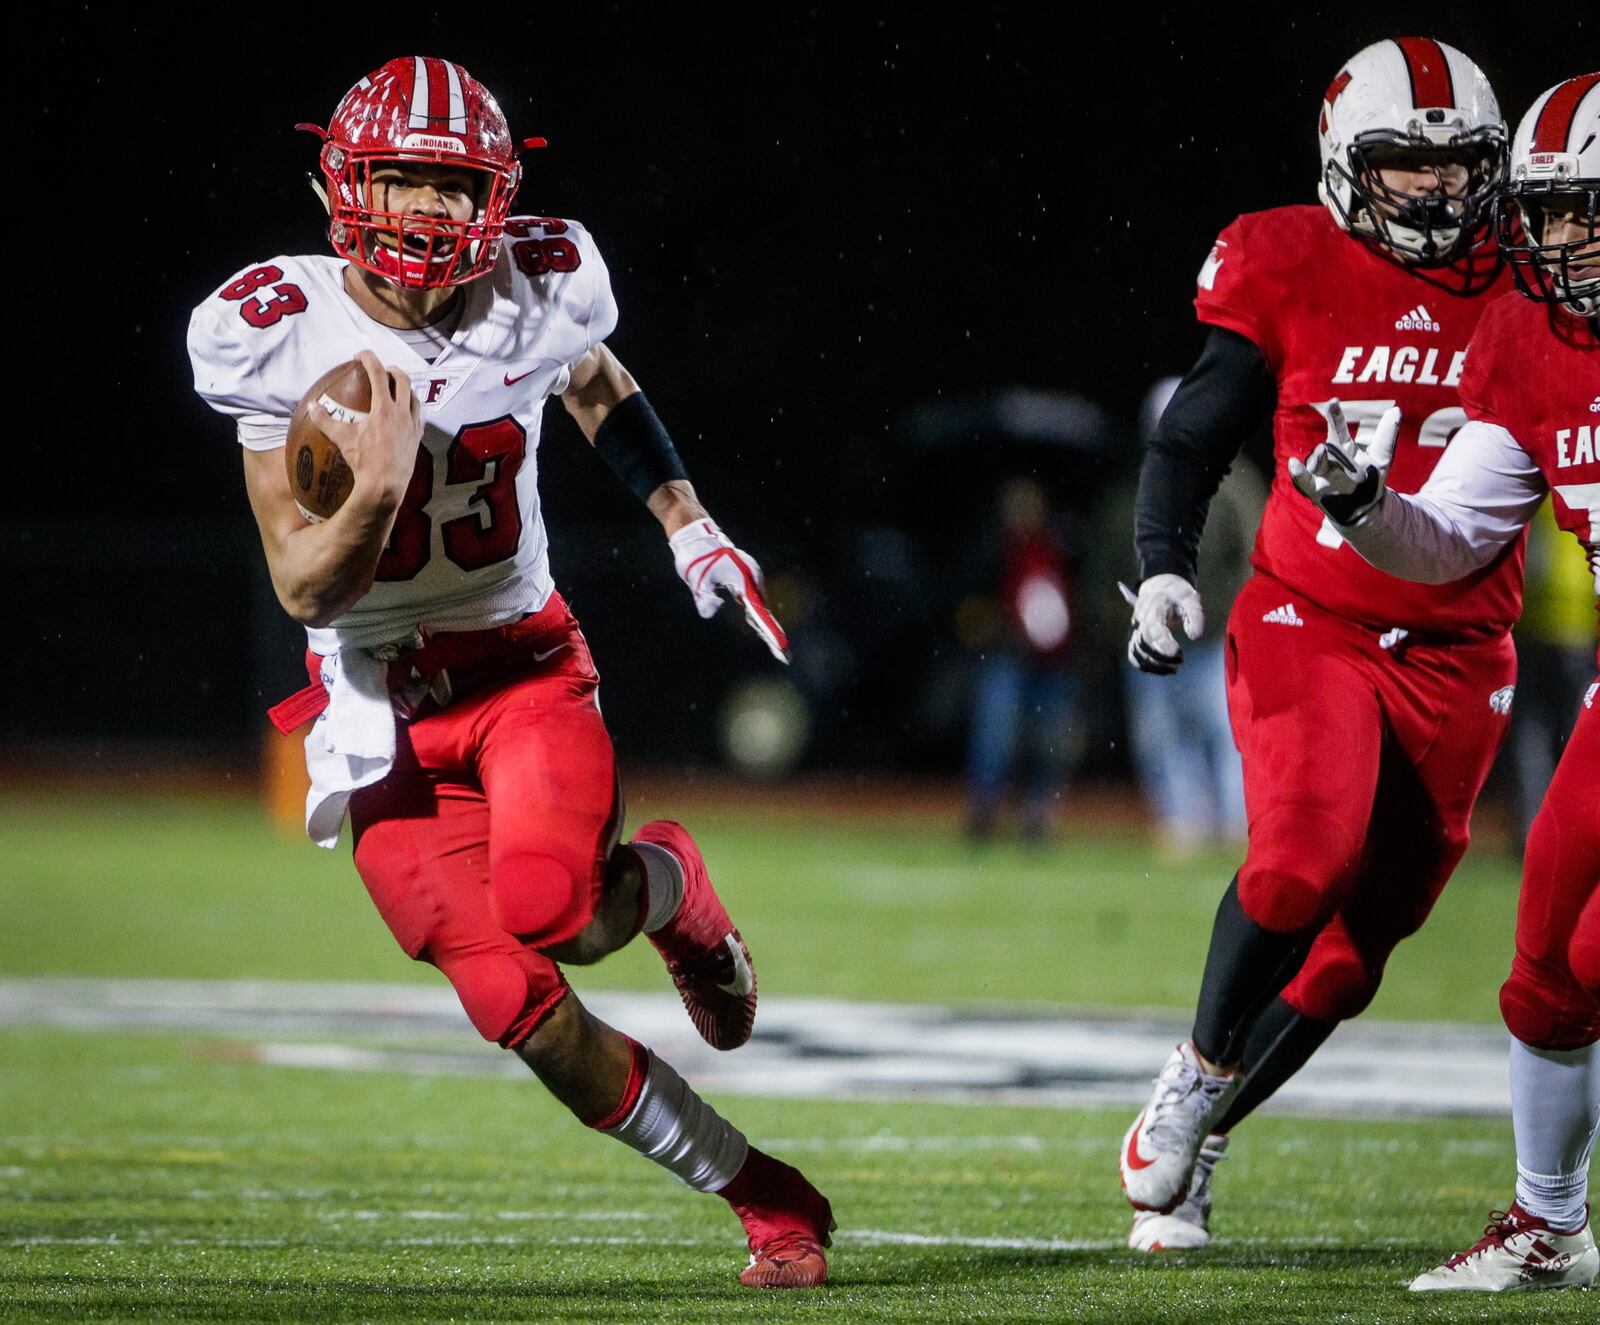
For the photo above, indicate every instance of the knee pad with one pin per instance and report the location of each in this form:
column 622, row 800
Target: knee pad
column 1298, row 869
column 539, row 898
column 1583, row 959
column 504, row 996
column 1335, row 990
column 1547, row 1013
column 1284, row 900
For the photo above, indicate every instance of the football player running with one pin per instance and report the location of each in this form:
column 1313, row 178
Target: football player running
column 1369, row 299
column 457, row 718
column 1531, row 389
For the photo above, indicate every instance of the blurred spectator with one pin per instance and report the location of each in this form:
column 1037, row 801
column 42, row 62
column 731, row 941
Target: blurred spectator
column 1555, row 659
column 1025, row 691
column 1182, row 743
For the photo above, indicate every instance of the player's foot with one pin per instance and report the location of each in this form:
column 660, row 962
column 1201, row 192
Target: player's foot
column 705, row 956
column 787, row 1221
column 1189, row 1226
column 1517, row 1252
column 1159, row 1150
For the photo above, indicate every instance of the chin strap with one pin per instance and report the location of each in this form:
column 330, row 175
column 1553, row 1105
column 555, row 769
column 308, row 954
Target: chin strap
column 321, row 190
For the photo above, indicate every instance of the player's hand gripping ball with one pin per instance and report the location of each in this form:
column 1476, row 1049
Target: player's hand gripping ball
column 319, row 476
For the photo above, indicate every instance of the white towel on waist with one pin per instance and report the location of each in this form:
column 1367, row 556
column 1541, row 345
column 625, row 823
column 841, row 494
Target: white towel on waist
column 351, row 745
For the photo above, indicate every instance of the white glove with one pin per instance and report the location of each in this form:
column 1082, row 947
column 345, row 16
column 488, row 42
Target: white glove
column 1162, row 602
column 714, row 569
column 1344, row 476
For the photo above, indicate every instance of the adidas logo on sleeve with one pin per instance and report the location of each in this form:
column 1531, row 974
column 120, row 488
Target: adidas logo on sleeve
column 1418, row 319
column 1594, row 406
column 1284, row 616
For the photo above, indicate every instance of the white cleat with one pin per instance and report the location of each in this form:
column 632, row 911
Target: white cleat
column 1160, row 1149
column 1517, row 1252
column 1187, row 1228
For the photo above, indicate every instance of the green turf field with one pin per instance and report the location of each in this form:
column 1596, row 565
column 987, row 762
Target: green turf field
column 140, row 1182
column 146, row 1176
column 157, row 887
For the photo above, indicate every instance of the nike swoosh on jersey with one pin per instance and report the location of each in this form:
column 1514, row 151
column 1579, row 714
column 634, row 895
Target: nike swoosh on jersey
column 512, row 381
column 1137, row 1161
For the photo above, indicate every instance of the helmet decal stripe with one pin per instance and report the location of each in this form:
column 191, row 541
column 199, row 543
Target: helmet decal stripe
column 438, row 93
column 419, row 95
column 1431, row 83
column 1560, row 112
column 458, row 105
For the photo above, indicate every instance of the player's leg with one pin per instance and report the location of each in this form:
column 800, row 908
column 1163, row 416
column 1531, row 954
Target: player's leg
column 1551, row 1004
column 1309, row 783
column 421, row 850
column 559, row 879
column 618, row 1087
column 1417, row 835
column 1445, row 738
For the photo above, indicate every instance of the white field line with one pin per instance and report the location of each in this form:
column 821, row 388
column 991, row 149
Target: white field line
column 867, row 1237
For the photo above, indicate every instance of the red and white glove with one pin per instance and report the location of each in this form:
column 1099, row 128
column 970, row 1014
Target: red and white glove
column 714, row 569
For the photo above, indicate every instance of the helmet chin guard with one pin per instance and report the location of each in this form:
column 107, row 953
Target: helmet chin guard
column 1555, row 171
column 421, row 110
column 1419, row 103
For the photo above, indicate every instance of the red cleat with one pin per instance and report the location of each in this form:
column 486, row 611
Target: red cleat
column 787, row 1222
column 705, row 956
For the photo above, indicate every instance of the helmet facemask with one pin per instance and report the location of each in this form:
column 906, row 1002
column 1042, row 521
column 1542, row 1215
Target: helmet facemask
column 1566, row 273
column 1430, row 230
column 415, row 251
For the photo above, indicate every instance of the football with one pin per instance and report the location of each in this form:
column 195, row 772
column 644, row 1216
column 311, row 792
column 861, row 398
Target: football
column 318, row 475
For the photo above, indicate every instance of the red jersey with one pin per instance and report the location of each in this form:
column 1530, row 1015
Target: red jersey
column 1336, row 320
column 1534, row 370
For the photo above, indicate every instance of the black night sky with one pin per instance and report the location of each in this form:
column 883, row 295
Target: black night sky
column 816, row 218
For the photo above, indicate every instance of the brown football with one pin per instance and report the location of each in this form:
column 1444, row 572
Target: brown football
column 318, row 475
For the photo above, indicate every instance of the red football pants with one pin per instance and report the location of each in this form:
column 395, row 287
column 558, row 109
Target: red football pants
column 489, row 838
column 1552, row 999
column 1361, row 766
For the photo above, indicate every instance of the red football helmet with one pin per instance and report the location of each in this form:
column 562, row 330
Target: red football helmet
column 1555, row 169
column 419, row 109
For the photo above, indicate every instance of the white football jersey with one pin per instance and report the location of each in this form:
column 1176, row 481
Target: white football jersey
column 469, row 548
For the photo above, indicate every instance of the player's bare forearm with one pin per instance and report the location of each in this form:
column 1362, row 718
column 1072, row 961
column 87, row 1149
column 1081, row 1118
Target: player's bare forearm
column 599, row 383
column 675, row 505
column 319, row 571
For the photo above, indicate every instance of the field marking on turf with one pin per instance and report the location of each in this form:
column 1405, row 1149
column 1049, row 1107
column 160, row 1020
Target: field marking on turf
column 866, row 1237
column 803, row 1048
column 876, row 1237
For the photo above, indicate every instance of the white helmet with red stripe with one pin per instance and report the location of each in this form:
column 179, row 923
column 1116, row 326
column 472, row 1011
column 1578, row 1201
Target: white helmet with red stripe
column 418, row 109
column 1416, row 104
column 1555, row 172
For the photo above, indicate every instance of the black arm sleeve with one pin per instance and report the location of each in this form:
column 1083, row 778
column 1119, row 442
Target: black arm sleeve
column 632, row 441
column 1226, row 396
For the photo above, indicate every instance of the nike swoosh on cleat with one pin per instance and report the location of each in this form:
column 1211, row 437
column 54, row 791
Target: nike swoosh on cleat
column 1135, row 1160
column 743, row 980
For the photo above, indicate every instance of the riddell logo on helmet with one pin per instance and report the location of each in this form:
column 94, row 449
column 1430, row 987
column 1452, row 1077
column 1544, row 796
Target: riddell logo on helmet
column 432, row 142
column 1418, row 319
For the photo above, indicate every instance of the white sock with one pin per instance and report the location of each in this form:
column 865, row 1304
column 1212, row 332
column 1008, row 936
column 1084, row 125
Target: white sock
column 663, row 882
column 1555, row 1111
column 677, row 1129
